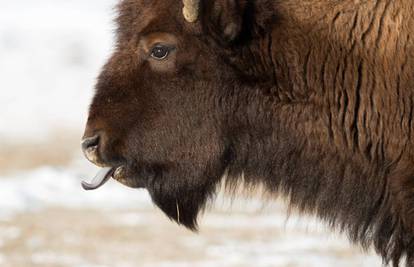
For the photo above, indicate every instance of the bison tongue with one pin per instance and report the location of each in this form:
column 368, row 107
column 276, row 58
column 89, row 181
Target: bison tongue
column 100, row 179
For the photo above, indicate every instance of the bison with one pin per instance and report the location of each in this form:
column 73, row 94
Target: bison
column 310, row 99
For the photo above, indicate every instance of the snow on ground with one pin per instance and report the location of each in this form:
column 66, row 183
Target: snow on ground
column 55, row 186
column 50, row 54
column 46, row 215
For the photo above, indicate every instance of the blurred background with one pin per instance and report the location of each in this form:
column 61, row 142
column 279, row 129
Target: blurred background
column 50, row 54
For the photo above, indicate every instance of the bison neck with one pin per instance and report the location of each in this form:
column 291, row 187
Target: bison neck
column 334, row 131
column 289, row 153
column 287, row 148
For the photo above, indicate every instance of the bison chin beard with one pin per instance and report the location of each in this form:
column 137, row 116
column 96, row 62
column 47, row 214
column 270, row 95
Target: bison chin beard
column 182, row 204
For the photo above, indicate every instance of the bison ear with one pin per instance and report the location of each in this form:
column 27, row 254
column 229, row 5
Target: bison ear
column 236, row 20
column 224, row 18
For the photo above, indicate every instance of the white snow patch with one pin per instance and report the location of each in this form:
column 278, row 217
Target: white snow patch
column 49, row 186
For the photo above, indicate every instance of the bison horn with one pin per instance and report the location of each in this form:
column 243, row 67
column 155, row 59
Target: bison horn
column 191, row 10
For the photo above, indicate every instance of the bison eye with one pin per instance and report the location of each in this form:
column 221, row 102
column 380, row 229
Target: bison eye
column 160, row 52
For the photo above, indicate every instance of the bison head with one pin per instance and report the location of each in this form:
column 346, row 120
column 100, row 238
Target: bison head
column 164, row 108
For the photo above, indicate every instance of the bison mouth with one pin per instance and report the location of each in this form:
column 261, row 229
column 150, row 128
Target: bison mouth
column 105, row 174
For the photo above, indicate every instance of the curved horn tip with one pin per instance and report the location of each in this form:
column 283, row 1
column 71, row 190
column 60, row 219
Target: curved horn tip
column 190, row 17
column 190, row 10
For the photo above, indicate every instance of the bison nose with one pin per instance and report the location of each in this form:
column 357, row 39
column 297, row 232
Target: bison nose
column 90, row 142
column 90, row 147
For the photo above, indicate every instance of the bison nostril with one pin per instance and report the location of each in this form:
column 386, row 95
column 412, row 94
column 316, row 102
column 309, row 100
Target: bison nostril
column 90, row 142
column 90, row 147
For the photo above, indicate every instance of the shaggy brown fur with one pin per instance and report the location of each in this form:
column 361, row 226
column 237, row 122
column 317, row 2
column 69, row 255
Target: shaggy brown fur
column 313, row 99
